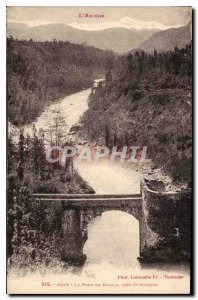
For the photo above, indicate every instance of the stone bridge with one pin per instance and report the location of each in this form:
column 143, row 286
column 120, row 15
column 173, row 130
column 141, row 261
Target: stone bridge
column 160, row 215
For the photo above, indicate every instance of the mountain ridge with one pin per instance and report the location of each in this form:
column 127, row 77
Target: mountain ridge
column 119, row 39
column 166, row 40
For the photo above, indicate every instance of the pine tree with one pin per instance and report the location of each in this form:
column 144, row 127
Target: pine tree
column 35, row 152
column 27, row 146
column 42, row 157
column 106, row 135
column 10, row 153
column 115, row 139
column 20, row 168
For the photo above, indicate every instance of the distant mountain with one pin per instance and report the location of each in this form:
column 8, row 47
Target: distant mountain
column 166, row 40
column 18, row 30
column 119, row 40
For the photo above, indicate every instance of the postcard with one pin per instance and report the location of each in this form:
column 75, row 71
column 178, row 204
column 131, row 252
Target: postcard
column 99, row 150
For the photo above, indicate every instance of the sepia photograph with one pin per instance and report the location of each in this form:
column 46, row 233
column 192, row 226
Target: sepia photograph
column 99, row 150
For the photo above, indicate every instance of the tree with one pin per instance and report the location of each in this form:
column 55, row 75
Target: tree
column 27, row 146
column 10, row 153
column 35, row 152
column 42, row 158
column 57, row 132
column 107, row 135
column 20, row 168
column 69, row 164
column 115, row 139
column 130, row 62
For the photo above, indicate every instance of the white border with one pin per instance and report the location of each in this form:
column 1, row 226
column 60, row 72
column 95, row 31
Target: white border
column 3, row 4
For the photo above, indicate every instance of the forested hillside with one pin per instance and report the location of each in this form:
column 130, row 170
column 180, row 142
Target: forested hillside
column 40, row 72
column 147, row 100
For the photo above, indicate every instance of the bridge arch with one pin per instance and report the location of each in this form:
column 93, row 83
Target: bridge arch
column 113, row 237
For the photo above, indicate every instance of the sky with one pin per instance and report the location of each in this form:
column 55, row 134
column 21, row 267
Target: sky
column 127, row 17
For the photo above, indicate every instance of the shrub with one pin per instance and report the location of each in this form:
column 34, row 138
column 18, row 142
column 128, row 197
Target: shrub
column 169, row 83
column 46, row 187
column 161, row 99
column 137, row 94
column 163, row 138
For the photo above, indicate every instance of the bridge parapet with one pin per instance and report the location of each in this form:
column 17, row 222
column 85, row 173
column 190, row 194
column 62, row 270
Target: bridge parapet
column 84, row 196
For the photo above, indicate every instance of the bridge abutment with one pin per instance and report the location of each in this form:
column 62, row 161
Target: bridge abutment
column 72, row 251
column 167, row 224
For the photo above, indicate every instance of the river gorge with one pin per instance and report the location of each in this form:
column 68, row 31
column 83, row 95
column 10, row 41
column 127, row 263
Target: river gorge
column 113, row 237
column 104, row 177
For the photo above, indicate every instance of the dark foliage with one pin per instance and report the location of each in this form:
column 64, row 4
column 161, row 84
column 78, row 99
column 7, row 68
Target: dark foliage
column 34, row 227
column 40, row 72
column 147, row 101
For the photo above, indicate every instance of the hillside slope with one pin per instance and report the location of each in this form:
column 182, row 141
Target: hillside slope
column 147, row 101
column 166, row 40
column 38, row 73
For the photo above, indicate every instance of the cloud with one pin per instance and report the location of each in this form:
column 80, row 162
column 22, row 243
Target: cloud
column 125, row 22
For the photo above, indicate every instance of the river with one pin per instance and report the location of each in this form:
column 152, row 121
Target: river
column 112, row 247
column 104, row 177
